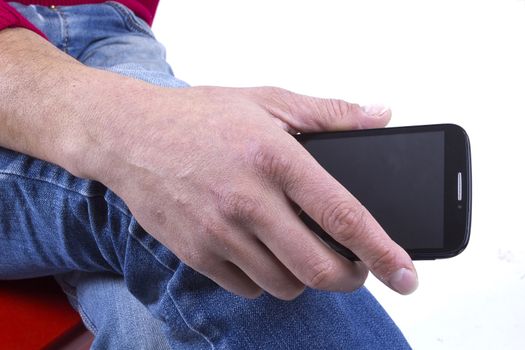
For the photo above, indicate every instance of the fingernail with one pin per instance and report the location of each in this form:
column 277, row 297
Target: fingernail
column 404, row 281
column 375, row 110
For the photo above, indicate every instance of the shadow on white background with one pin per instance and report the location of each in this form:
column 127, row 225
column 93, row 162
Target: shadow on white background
column 433, row 62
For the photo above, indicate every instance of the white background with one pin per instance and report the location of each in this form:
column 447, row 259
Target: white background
column 431, row 62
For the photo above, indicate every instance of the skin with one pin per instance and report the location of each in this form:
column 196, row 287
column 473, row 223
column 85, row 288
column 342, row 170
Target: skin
column 212, row 173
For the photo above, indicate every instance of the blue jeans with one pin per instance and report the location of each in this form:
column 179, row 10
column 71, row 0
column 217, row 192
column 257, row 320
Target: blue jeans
column 56, row 224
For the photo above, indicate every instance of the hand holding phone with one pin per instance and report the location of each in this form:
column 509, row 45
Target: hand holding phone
column 414, row 180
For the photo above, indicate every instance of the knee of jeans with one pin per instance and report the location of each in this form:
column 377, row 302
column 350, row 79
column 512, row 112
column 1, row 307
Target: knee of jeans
column 139, row 57
column 163, row 78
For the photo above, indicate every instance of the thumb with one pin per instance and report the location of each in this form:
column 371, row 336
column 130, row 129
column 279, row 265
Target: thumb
column 311, row 114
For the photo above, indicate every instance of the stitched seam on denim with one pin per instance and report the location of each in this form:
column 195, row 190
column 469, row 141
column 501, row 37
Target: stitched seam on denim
column 71, row 292
column 171, row 296
column 128, row 17
column 85, row 318
column 81, row 310
column 87, row 321
column 94, row 196
column 149, row 251
column 122, row 210
column 3, row 172
column 63, row 21
column 67, row 288
column 187, row 323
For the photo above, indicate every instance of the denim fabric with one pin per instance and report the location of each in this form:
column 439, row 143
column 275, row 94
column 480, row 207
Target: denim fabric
column 112, row 313
column 55, row 223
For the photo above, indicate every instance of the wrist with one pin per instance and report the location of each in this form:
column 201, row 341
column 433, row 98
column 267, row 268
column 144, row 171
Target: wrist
column 108, row 123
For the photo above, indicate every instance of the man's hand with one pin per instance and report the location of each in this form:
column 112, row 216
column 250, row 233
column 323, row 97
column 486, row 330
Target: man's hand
column 214, row 174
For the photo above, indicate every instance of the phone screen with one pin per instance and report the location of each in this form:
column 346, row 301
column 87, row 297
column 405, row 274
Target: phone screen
column 399, row 178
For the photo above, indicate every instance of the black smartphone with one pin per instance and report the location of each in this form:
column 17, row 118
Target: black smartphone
column 415, row 180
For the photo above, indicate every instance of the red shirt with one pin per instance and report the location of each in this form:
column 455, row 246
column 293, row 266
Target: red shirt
column 9, row 17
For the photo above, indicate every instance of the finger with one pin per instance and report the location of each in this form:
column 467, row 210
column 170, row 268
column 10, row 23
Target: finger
column 310, row 114
column 340, row 214
column 263, row 268
column 304, row 254
column 243, row 214
column 233, row 279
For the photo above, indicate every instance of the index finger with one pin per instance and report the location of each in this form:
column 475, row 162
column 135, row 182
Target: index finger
column 344, row 218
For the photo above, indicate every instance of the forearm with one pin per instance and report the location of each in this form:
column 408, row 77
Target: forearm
column 50, row 104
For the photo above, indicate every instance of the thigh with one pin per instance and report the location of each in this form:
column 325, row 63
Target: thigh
column 116, row 318
column 48, row 220
column 314, row 320
column 55, row 223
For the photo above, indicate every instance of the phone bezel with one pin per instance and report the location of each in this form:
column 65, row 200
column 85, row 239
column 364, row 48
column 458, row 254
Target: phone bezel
column 457, row 213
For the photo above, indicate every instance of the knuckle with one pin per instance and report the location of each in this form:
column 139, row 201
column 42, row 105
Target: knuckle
column 320, row 273
column 344, row 221
column 215, row 231
column 196, row 259
column 339, row 109
column 276, row 99
column 274, row 92
column 342, row 109
column 290, row 293
column 382, row 263
column 271, row 164
column 253, row 293
column 239, row 207
column 333, row 112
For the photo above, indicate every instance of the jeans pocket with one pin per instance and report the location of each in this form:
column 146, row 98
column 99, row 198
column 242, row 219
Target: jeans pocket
column 131, row 20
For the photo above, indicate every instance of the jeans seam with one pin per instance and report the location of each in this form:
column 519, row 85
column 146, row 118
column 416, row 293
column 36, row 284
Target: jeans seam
column 128, row 17
column 187, row 322
column 193, row 329
column 63, row 19
column 3, row 172
column 90, row 325
column 149, row 251
column 122, row 210
column 71, row 293
column 85, row 318
column 80, row 309
column 94, row 196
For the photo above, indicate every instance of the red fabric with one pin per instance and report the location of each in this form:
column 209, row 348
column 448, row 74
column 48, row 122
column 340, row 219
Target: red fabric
column 9, row 17
column 34, row 314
